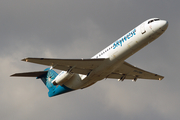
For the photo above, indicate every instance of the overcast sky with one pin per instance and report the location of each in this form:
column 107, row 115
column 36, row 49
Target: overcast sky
column 80, row 29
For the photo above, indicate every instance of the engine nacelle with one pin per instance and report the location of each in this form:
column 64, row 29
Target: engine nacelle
column 62, row 78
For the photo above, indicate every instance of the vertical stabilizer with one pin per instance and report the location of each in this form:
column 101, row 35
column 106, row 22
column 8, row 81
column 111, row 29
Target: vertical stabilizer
column 53, row 89
column 48, row 78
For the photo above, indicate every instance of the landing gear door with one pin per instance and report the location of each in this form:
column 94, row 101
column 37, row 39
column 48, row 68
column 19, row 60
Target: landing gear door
column 142, row 27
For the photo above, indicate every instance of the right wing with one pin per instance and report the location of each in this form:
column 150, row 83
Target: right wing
column 129, row 71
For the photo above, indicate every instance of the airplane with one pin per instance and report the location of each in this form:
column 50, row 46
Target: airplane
column 109, row 63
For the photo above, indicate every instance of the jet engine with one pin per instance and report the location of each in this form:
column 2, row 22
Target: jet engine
column 62, row 78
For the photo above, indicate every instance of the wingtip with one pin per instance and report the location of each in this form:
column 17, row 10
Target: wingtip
column 25, row 59
column 161, row 78
column 13, row 75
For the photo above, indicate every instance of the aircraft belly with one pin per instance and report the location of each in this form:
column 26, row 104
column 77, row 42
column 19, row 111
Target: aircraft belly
column 77, row 81
column 100, row 74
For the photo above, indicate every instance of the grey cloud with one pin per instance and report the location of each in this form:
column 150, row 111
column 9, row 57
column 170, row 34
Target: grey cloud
column 80, row 29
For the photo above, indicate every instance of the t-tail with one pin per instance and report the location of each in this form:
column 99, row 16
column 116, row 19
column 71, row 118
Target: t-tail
column 47, row 76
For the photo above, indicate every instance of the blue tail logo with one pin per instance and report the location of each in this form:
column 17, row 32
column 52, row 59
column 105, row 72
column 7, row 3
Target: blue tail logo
column 53, row 89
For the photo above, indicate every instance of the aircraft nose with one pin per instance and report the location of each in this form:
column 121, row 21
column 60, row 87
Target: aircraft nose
column 160, row 26
column 163, row 25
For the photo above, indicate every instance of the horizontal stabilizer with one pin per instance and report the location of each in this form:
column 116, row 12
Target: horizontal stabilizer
column 30, row 74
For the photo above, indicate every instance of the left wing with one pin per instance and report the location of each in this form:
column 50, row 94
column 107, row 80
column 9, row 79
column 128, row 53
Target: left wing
column 128, row 71
column 81, row 66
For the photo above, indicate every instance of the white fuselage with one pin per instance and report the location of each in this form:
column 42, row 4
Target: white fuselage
column 119, row 51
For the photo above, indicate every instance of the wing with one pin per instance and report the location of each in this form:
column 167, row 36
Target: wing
column 128, row 71
column 81, row 66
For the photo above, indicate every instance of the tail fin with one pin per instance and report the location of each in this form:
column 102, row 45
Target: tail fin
column 48, row 78
column 53, row 89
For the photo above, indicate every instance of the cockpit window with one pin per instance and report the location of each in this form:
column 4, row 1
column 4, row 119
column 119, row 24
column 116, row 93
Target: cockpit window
column 150, row 21
column 156, row 19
